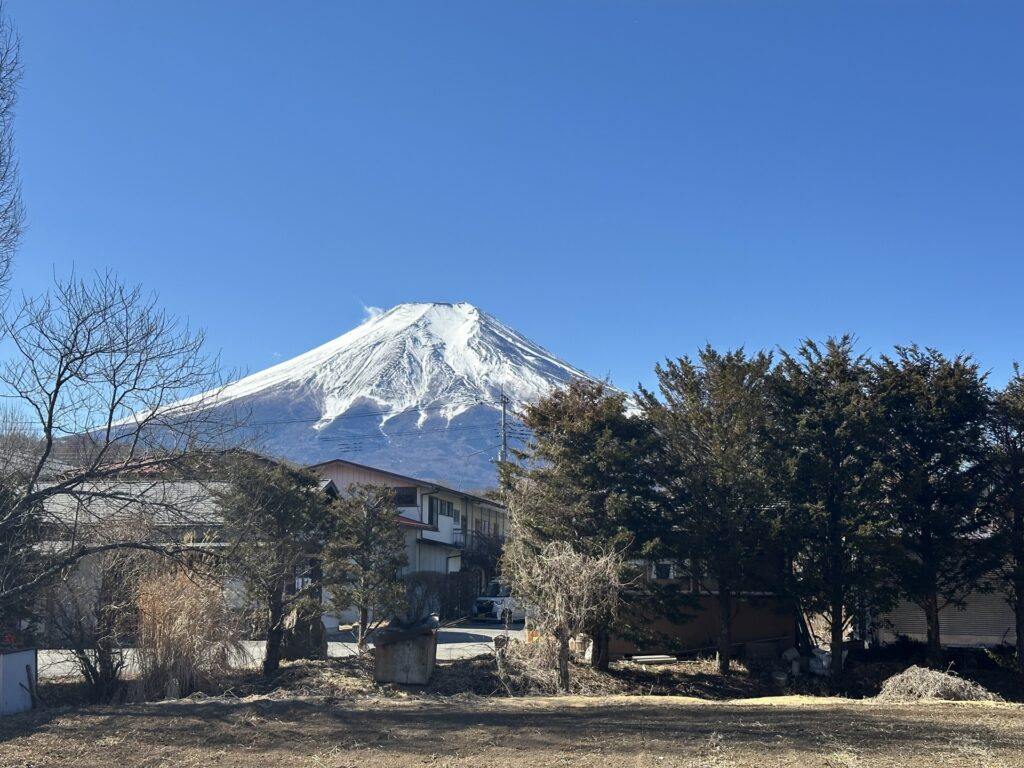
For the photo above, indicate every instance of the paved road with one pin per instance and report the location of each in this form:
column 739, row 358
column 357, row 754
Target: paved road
column 459, row 641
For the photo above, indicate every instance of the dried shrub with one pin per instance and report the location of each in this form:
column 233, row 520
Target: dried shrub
column 564, row 591
column 188, row 637
column 916, row 683
column 531, row 669
column 92, row 613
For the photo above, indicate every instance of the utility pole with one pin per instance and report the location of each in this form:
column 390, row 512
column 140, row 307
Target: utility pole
column 503, row 456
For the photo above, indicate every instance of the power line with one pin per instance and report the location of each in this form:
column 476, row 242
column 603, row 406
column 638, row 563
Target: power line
column 430, row 431
column 393, row 412
column 313, row 420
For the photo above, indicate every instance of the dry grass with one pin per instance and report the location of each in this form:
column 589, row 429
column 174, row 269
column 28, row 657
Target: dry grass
column 917, row 683
column 586, row 732
column 332, row 679
column 187, row 636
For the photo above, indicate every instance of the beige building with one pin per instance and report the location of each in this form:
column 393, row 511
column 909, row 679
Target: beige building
column 447, row 531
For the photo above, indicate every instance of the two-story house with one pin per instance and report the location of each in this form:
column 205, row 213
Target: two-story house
column 446, row 531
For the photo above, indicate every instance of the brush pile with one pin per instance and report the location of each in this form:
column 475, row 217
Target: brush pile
column 917, row 683
column 531, row 669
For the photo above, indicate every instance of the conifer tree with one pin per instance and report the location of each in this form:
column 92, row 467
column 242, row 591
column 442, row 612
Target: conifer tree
column 275, row 516
column 364, row 556
column 1007, row 494
column 934, row 410
column 839, row 534
column 712, row 418
column 590, row 472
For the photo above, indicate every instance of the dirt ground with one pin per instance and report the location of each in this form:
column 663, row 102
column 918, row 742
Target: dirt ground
column 478, row 731
column 331, row 714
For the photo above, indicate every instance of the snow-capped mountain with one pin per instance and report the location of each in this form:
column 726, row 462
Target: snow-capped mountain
column 416, row 389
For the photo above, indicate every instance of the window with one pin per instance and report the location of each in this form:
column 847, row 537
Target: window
column 405, row 496
column 662, row 571
column 440, row 507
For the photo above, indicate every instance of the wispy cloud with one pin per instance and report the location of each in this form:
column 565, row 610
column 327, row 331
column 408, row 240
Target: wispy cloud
column 371, row 313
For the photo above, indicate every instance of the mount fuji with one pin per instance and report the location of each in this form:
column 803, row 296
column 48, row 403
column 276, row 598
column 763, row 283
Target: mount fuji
column 416, row 390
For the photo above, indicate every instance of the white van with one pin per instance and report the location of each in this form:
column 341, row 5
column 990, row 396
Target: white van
column 497, row 604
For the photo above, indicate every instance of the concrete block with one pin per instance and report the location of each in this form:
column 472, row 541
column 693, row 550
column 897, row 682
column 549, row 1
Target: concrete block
column 410, row 661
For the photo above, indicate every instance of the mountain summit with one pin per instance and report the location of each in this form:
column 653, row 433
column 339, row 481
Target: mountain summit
column 416, row 389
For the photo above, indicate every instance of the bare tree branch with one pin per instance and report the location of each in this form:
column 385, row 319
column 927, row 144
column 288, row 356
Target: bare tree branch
column 101, row 425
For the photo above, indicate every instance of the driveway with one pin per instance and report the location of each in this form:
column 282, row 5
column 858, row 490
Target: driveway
column 458, row 641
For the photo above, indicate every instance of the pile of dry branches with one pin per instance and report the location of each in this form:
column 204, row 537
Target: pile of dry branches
column 531, row 669
column 917, row 683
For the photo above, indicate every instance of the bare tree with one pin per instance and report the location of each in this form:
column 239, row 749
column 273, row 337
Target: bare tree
column 103, row 383
column 563, row 590
column 92, row 613
column 11, row 212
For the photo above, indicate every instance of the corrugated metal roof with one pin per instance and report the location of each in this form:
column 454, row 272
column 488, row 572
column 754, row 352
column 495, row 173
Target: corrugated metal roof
column 163, row 503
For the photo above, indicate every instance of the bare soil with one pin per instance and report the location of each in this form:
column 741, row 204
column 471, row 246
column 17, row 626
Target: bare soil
column 476, row 731
column 332, row 714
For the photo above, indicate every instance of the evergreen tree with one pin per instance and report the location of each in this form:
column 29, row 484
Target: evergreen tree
column 838, row 533
column 364, row 555
column 934, row 409
column 712, row 417
column 1007, row 494
column 276, row 518
column 590, row 473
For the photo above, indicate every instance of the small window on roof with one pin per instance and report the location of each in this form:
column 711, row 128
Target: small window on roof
column 405, row 496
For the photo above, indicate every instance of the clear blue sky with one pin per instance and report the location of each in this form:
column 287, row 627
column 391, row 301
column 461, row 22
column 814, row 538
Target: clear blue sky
column 620, row 181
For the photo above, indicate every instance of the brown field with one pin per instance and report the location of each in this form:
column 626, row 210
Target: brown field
column 544, row 731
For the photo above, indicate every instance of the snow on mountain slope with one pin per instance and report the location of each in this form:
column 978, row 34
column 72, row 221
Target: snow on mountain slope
column 415, row 389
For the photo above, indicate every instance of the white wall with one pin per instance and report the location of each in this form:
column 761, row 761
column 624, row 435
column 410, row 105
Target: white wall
column 434, row 559
column 445, row 530
column 14, row 696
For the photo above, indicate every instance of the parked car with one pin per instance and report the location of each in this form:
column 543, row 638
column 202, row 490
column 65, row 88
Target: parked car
column 497, row 604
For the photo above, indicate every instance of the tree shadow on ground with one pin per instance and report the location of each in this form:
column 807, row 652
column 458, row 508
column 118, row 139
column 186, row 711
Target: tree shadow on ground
column 430, row 727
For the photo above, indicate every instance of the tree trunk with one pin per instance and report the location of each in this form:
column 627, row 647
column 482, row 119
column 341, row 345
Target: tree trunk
column 1019, row 611
column 836, row 641
column 562, row 638
column 275, row 630
column 1017, row 551
column 931, row 615
column 1018, row 599
column 364, row 622
column 724, row 629
column 599, row 650
column 836, row 555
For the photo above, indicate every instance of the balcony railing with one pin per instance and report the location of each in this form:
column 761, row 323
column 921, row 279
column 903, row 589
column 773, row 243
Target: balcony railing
column 477, row 541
